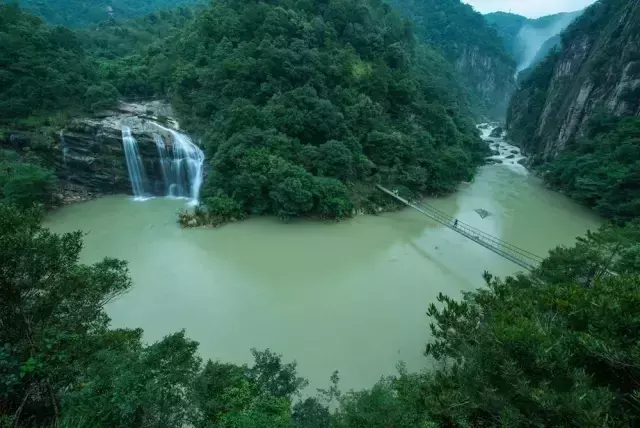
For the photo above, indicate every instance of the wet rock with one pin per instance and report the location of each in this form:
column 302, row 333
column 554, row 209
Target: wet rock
column 515, row 152
column 482, row 212
column 510, row 156
column 88, row 156
column 495, row 152
column 523, row 161
column 497, row 132
column 491, row 161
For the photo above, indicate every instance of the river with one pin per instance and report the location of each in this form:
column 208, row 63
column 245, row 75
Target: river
column 350, row 296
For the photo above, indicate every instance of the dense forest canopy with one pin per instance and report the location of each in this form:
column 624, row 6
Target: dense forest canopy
column 303, row 106
column 602, row 168
column 484, row 68
column 79, row 13
column 451, row 25
column 306, row 105
column 43, row 68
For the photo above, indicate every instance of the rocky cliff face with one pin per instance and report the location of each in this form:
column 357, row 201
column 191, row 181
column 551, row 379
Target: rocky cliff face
column 597, row 70
column 87, row 154
column 489, row 78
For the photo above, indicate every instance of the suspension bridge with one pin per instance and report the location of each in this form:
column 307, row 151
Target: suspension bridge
column 522, row 258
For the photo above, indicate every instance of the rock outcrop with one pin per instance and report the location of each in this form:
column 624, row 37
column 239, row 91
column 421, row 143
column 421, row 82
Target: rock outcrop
column 489, row 78
column 597, row 69
column 87, row 154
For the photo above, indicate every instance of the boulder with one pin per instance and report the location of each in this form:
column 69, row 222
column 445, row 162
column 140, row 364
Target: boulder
column 491, row 161
column 482, row 212
column 497, row 132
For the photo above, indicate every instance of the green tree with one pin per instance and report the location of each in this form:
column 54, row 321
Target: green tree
column 50, row 310
column 25, row 184
column 279, row 88
column 99, row 97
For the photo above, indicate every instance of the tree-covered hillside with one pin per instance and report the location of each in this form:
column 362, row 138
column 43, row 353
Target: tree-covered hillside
column 43, row 69
column 306, row 105
column 303, row 107
column 79, row 13
column 483, row 65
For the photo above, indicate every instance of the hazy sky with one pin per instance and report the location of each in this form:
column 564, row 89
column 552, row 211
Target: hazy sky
column 529, row 8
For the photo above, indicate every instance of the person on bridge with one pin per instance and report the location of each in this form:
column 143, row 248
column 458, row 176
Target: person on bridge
column 455, row 223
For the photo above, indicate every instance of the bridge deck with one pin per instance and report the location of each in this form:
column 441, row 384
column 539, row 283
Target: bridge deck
column 510, row 252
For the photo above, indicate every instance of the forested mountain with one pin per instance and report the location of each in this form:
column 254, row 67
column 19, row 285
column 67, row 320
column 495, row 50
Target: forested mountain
column 483, row 65
column 303, row 108
column 43, row 68
column 579, row 109
column 306, row 105
column 530, row 40
column 79, row 13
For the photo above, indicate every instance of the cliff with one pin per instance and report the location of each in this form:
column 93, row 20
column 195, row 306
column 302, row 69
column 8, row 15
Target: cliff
column 596, row 70
column 484, row 68
column 87, row 153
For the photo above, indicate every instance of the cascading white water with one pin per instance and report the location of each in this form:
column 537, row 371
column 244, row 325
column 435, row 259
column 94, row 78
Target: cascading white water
column 164, row 161
column 65, row 149
column 134, row 163
column 183, row 169
column 504, row 153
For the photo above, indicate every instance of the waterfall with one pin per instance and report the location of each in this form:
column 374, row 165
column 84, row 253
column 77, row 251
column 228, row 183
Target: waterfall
column 162, row 155
column 65, row 149
column 134, row 163
column 183, row 168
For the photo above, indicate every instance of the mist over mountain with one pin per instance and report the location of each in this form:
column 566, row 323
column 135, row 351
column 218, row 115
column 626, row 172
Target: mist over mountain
column 530, row 40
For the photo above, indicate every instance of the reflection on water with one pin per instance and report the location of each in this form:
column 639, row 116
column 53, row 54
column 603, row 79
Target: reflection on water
column 350, row 296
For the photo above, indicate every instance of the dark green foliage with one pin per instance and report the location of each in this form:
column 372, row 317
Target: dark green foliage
column 42, row 68
column 602, row 169
column 80, row 13
column 452, row 25
column 130, row 54
column 465, row 39
column 47, row 303
column 300, row 102
column 60, row 362
column 529, row 355
column 99, row 97
column 24, row 183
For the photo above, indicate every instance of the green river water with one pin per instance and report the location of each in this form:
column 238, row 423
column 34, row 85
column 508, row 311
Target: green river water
column 350, row 296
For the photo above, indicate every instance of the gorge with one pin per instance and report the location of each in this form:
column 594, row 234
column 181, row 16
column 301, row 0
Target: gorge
column 189, row 192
